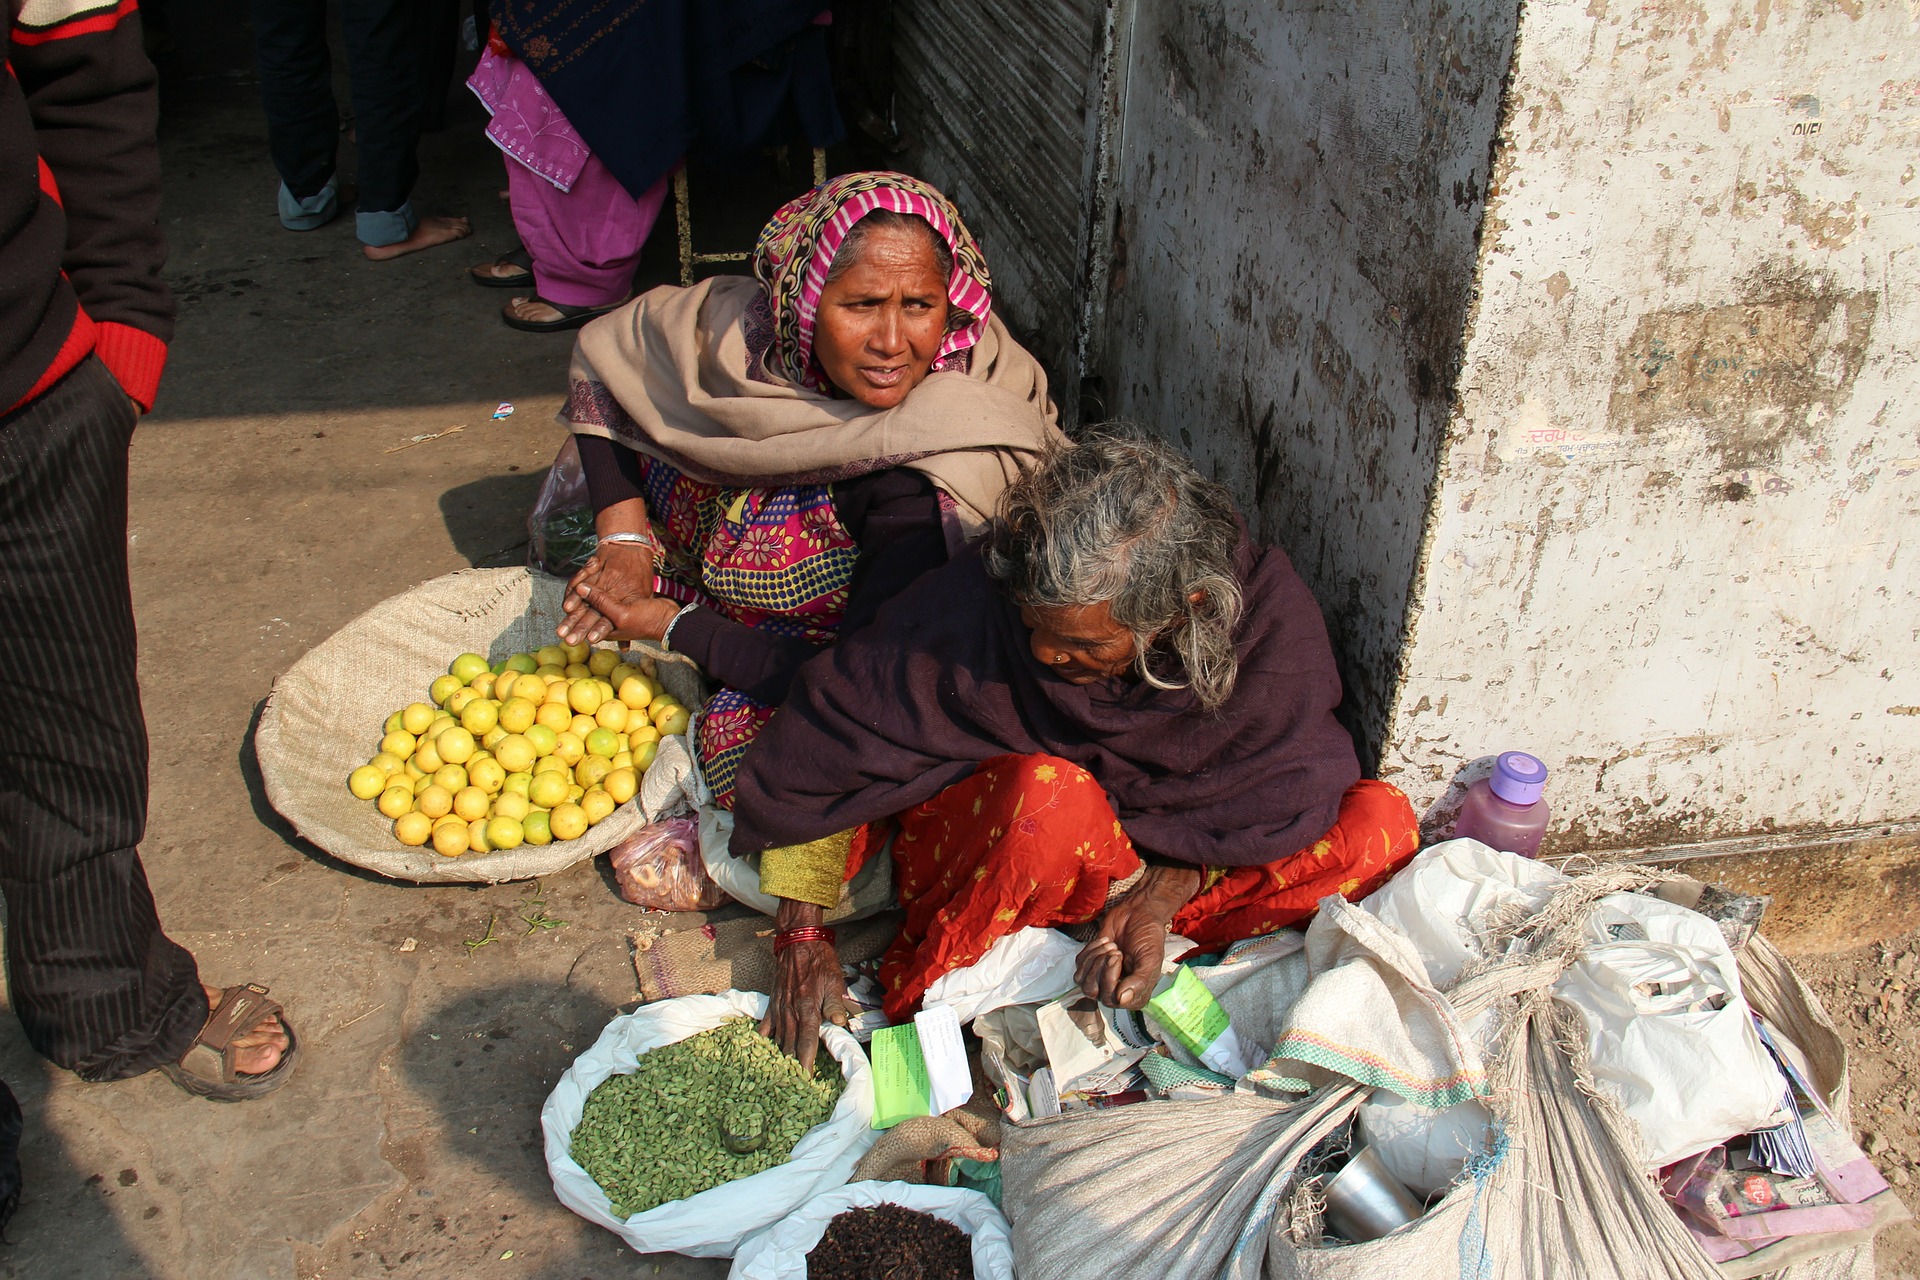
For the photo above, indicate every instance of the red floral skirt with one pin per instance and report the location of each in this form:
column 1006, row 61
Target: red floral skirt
column 1031, row 841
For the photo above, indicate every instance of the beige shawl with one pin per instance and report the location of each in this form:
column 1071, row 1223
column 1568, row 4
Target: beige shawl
column 673, row 376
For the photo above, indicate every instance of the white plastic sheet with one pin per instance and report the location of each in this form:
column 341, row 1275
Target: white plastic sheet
column 1443, row 898
column 1691, row 1075
column 740, row 877
column 1025, row 967
column 1029, row 966
column 714, row 1223
column 780, row 1252
column 870, row 890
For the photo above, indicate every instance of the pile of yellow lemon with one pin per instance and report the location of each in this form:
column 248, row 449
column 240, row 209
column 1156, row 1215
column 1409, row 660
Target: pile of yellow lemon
column 527, row 751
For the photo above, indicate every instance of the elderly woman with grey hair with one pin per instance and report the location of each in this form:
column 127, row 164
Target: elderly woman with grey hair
column 1116, row 709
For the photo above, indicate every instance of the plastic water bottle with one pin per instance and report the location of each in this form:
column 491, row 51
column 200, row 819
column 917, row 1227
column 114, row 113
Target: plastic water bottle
column 1505, row 810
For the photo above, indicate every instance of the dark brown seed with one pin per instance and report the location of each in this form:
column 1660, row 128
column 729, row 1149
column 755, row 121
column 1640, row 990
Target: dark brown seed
column 887, row 1242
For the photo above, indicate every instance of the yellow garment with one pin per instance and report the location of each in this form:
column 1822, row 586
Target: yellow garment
column 811, row 872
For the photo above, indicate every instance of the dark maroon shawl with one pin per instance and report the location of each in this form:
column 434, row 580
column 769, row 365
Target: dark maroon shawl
column 943, row 679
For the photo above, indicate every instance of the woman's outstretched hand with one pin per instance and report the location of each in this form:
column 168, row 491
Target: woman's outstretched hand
column 808, row 987
column 612, row 598
column 1121, row 965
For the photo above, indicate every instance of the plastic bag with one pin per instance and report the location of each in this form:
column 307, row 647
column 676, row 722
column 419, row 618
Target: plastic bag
column 1207, row 1190
column 1257, row 982
column 659, row 868
column 1669, row 1034
column 780, row 1253
column 560, row 530
column 1028, row 966
column 714, row 1223
column 1444, row 899
column 1025, row 967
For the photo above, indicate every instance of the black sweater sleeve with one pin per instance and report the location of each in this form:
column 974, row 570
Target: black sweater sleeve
column 78, row 95
column 894, row 516
column 91, row 93
column 612, row 471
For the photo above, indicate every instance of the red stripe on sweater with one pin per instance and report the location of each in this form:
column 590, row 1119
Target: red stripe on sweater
column 134, row 357
column 48, row 187
column 80, row 24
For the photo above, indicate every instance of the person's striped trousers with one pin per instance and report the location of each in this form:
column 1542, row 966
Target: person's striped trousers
column 95, row 981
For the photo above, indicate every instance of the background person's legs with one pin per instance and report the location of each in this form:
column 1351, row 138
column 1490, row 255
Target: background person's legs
column 586, row 242
column 96, row 983
column 385, row 56
column 303, row 122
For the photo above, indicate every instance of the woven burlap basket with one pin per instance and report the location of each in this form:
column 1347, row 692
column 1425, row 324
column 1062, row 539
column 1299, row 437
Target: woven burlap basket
column 323, row 720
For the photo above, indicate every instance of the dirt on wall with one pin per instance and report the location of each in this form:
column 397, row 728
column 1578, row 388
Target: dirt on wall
column 1755, row 373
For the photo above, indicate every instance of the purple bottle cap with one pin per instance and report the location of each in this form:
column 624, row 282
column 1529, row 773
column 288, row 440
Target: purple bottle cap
column 1518, row 778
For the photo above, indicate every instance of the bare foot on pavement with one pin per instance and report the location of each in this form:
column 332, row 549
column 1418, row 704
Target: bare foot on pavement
column 537, row 310
column 431, row 230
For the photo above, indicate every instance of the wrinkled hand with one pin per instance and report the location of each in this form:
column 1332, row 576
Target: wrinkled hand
column 808, row 988
column 612, row 597
column 1121, row 965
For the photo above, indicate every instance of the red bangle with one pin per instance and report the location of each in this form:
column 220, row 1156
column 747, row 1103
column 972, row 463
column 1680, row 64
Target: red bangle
column 784, row 938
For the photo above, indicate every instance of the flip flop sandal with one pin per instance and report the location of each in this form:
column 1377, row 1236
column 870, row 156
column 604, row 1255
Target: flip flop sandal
column 483, row 275
column 207, row 1070
column 570, row 317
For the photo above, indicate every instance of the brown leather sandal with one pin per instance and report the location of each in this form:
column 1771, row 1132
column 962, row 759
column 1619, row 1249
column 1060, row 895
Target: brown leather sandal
column 207, row 1070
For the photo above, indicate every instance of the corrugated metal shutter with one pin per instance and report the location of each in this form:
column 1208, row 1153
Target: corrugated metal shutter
column 993, row 97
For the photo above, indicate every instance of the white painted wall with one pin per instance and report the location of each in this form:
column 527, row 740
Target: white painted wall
column 1672, row 539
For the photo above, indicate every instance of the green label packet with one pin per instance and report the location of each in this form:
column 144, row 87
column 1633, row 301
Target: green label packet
column 1189, row 1012
column 901, row 1087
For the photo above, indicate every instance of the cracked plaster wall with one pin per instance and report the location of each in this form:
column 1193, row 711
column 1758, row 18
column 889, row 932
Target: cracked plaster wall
column 1671, row 540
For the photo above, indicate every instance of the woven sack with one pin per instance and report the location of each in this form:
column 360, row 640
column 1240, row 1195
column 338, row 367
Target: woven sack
column 1159, row 1190
column 1206, row 1189
column 323, row 720
column 1564, row 1193
column 1567, row 1145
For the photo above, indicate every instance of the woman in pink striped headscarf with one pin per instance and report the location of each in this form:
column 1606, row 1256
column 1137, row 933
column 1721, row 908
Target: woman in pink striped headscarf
column 772, row 458
column 801, row 250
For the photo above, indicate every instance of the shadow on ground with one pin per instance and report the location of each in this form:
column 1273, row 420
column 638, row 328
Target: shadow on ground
column 68, row 1209
column 481, row 517
column 273, row 820
column 479, row 1066
column 260, row 306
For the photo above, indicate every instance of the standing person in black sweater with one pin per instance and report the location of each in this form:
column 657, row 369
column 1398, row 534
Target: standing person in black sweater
column 84, row 322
